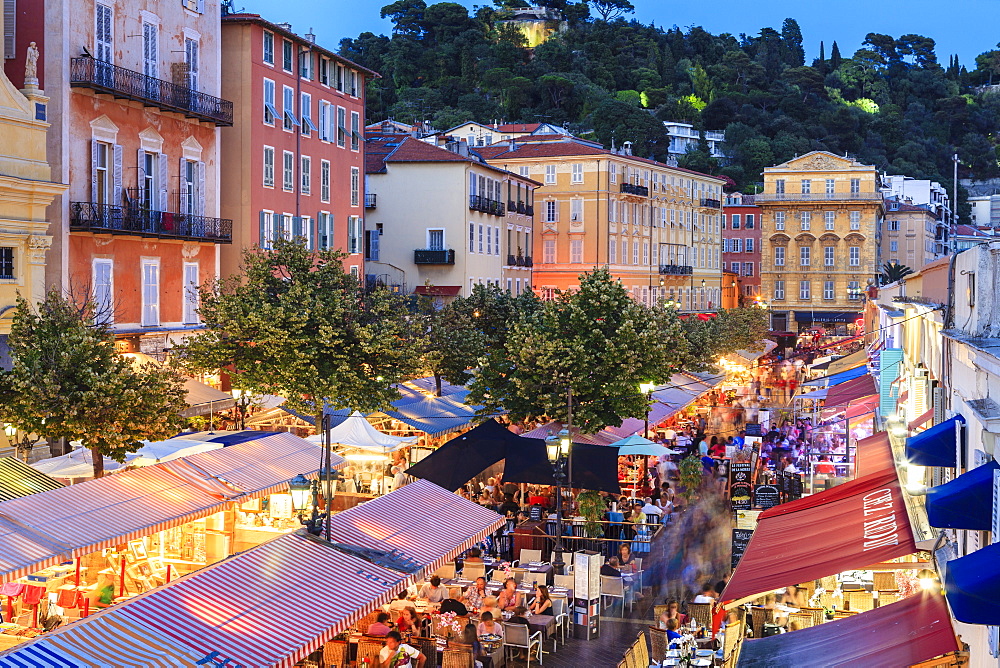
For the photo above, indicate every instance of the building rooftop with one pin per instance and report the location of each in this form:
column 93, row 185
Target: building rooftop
column 394, row 147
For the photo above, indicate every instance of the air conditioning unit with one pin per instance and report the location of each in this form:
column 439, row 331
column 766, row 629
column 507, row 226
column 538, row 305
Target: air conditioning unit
column 938, row 397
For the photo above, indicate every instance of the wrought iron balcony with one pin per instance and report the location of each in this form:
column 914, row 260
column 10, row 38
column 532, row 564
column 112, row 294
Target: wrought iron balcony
column 711, row 203
column 102, row 77
column 633, row 189
column 676, row 269
column 486, row 205
column 370, row 200
column 526, row 261
column 512, row 260
column 434, row 256
column 137, row 221
column 817, row 197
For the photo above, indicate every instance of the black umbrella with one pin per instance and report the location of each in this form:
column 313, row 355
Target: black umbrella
column 464, row 457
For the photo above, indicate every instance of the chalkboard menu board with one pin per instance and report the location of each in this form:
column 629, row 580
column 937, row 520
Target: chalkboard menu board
column 766, row 496
column 741, row 538
column 740, row 485
column 535, row 513
column 795, row 487
column 753, row 429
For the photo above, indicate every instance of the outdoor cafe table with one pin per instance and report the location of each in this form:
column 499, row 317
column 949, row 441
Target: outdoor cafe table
column 544, row 623
column 494, row 587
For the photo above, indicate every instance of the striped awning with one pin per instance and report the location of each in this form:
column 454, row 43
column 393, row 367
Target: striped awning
column 442, row 525
column 103, row 639
column 51, row 527
column 17, row 479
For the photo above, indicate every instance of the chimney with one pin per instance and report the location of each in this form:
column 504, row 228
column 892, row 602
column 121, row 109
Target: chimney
column 310, row 36
column 627, row 148
column 463, row 148
column 285, row 26
column 511, row 144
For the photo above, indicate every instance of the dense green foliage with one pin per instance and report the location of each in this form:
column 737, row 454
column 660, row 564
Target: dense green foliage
column 891, row 104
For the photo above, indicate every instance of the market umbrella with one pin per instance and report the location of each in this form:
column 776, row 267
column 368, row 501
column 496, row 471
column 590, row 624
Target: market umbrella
column 77, row 464
column 464, row 457
column 594, row 466
column 155, row 452
column 637, row 445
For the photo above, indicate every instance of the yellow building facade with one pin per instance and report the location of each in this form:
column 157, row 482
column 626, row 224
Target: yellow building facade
column 26, row 189
column 656, row 228
column 821, row 216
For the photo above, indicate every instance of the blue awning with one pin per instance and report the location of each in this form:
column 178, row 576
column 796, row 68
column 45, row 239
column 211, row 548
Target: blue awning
column 837, row 378
column 964, row 503
column 937, row 446
column 972, row 586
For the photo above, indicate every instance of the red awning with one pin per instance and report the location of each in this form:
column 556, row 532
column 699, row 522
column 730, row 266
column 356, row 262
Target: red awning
column 904, row 633
column 874, row 455
column 847, row 527
column 843, row 393
column 437, row 290
column 921, row 420
column 863, row 408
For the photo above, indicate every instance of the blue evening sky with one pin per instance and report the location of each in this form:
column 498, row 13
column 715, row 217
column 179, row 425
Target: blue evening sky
column 965, row 27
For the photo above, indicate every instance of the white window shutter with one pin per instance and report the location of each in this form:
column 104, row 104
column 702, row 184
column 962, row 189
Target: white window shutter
column 183, row 189
column 200, row 199
column 163, row 182
column 93, row 170
column 201, row 6
column 116, row 195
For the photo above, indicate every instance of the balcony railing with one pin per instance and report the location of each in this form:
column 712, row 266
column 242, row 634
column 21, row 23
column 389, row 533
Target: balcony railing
column 434, row 256
column 518, row 260
column 526, row 261
column 87, row 72
column 711, row 203
column 633, row 189
column 370, row 200
column 486, row 205
column 135, row 220
column 817, row 197
column 676, row 269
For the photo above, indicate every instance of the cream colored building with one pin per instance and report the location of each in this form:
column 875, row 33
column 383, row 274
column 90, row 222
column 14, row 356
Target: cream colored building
column 481, row 134
column 657, row 228
column 442, row 220
column 908, row 235
column 820, row 220
column 26, row 189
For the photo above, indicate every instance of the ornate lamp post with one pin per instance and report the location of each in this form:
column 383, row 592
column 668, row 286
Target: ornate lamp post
column 557, row 449
column 647, row 389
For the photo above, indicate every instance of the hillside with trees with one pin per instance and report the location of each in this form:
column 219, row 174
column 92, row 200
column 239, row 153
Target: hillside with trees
column 891, row 103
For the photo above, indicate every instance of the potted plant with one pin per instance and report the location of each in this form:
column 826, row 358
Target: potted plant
column 591, row 506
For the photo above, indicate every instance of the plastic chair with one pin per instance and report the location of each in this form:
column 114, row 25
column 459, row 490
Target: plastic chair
column 529, row 555
column 657, row 645
column 446, row 572
column 638, row 569
column 613, row 587
column 473, row 571
column 563, row 581
column 519, row 574
column 562, row 618
column 518, row 636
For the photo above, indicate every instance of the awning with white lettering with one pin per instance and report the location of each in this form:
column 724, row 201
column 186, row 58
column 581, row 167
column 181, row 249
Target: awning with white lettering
column 850, row 526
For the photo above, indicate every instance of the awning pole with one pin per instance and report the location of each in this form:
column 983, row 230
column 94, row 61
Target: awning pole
column 121, row 588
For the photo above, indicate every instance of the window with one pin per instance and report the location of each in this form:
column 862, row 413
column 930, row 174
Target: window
column 855, row 186
column 287, row 224
column 829, row 186
column 635, row 252
column 551, row 211
column 725, row 245
column 854, row 256
column 355, row 131
column 481, row 246
column 830, row 220
column 854, row 289
column 306, row 64
column 269, row 47
column 353, row 80
column 270, row 112
column 496, row 241
column 612, row 251
column 104, row 307
column 576, row 251
column 735, row 245
column 827, row 289
column 268, row 222
column 612, row 211
column 805, row 290
column 324, row 180
column 613, row 173
column 341, row 127
column 855, row 220
column 305, row 173
column 577, row 173
column 472, row 238
column 828, row 256
column 549, row 251
column 191, row 60
column 103, row 34
column 286, row 55
column 779, row 186
column 805, row 219
column 779, row 289
column 523, row 170
column 288, row 108
column 893, row 246
column 736, row 221
column 550, row 175
column 324, row 230
column 288, row 175
column 150, row 52
column 355, row 233
column 576, row 210
column 189, row 187
column 656, row 255
column 324, row 71
column 779, row 220
column 103, row 178
column 806, row 186
column 305, row 102
column 149, row 193
column 645, row 254
column 748, row 245
column 489, row 240
column 735, row 268
column 191, row 293
column 779, row 256
column 804, row 253
column 150, row 292
column 268, row 166
column 355, row 186
column 749, row 222
column 894, row 226
column 748, row 268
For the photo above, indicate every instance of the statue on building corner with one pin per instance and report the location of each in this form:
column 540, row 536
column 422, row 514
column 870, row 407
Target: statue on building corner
column 31, row 66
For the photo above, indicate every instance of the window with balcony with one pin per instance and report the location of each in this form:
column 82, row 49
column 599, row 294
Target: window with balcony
column 828, row 290
column 150, row 50
column 103, row 178
column 779, row 186
column 854, row 256
column 104, row 24
column 191, row 58
column 779, row 256
column 149, row 180
column 829, row 256
column 103, row 281
column 855, row 186
column 804, row 256
column 288, row 172
column 806, row 186
column 189, row 182
column 150, row 292
column 805, row 290
column 830, row 186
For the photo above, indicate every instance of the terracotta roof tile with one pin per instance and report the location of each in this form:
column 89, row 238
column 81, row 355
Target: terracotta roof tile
column 519, row 127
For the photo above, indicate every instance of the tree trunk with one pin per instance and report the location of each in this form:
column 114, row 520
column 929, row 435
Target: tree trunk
column 437, row 385
column 98, row 463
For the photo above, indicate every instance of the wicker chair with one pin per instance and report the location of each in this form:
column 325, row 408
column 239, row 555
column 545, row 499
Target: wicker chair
column 631, row 660
column 758, row 617
column 733, row 637
column 809, row 587
column 828, row 601
column 829, row 583
column 888, row 597
column 369, row 647
column 458, row 656
column 805, row 619
column 818, row 615
column 884, row 581
column 427, row 647
column 702, row 613
column 659, row 610
column 657, row 644
column 336, row 654
column 642, row 651
column 362, row 624
column 859, row 601
column 842, row 614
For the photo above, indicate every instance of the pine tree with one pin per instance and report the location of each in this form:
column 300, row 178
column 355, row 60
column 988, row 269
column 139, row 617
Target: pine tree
column 835, row 59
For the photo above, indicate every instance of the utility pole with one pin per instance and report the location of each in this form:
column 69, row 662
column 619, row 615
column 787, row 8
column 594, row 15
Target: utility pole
column 954, row 206
column 569, row 427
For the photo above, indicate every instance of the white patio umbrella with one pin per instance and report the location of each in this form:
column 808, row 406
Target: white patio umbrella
column 638, row 445
column 77, row 464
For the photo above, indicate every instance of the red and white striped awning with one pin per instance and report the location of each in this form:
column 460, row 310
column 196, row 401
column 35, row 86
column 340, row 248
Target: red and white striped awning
column 47, row 528
column 425, row 522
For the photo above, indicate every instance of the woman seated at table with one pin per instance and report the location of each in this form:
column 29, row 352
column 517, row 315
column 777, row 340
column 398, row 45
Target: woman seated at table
column 452, row 604
column 626, row 560
column 509, row 598
column 488, row 626
column 476, row 593
column 542, row 605
column 401, row 603
column 409, row 621
column 473, row 556
column 672, row 612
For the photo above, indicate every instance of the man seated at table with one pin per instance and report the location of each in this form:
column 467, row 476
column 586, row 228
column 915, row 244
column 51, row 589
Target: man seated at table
column 672, row 626
column 473, row 556
column 401, row 602
column 397, row 654
column 452, row 604
column 611, row 568
column 432, row 591
column 649, row 509
column 381, row 626
column 707, row 594
column 509, row 506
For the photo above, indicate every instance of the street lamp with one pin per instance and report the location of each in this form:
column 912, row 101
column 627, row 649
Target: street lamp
column 557, row 450
column 305, row 493
column 647, row 389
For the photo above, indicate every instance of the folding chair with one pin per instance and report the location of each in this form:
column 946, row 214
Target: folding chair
column 614, row 587
column 529, row 555
column 562, row 617
column 518, row 636
column 473, row 571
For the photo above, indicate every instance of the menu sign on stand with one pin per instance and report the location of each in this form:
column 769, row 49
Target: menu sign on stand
column 741, row 538
column 753, row 429
column 587, row 594
column 766, row 496
column 740, row 485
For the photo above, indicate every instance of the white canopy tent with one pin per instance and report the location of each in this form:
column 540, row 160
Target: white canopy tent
column 357, row 432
